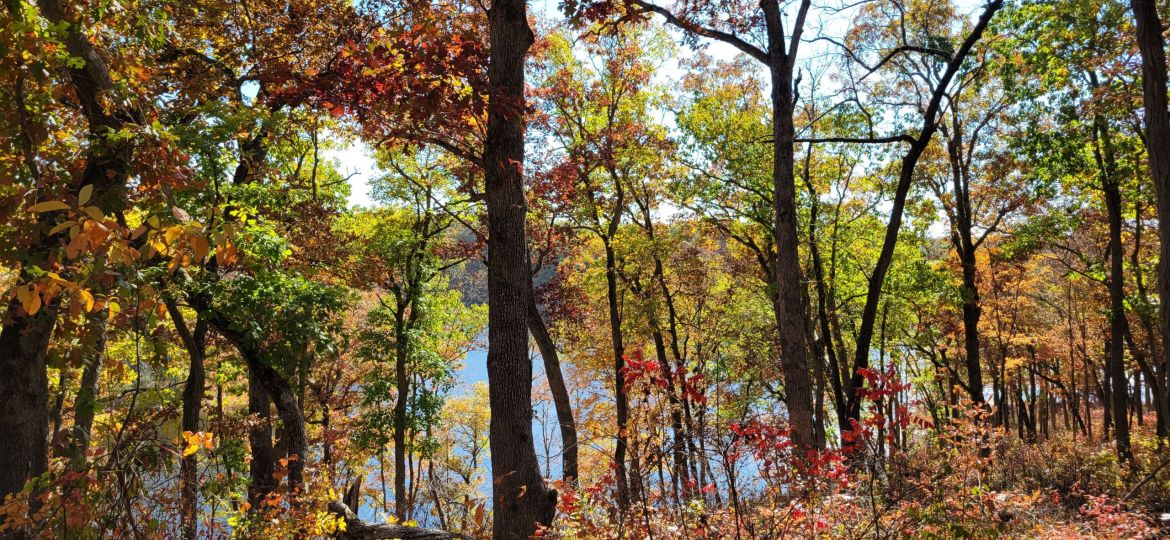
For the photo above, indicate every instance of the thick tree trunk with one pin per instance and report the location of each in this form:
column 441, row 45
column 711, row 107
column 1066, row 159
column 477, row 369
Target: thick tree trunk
column 24, row 396
column 1157, row 120
column 560, row 392
column 521, row 501
column 260, row 439
column 24, row 339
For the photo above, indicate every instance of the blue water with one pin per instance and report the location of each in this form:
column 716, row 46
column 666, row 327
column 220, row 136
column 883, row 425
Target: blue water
column 473, row 369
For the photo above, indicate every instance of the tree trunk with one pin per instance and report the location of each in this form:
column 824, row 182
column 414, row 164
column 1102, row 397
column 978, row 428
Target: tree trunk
column 1119, row 382
column 85, row 405
column 788, row 279
column 402, row 382
column 962, row 239
column 24, row 396
column 24, row 339
column 560, row 392
column 905, row 177
column 260, row 439
column 1157, row 120
column 521, row 501
column 621, row 441
column 403, row 388
column 195, row 343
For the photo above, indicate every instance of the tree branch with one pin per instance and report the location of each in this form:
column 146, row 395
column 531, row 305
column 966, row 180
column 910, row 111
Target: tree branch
column 719, row 35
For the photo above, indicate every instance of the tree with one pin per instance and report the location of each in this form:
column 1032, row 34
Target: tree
column 522, row 502
column 930, row 110
column 778, row 54
column 1157, row 124
column 403, row 252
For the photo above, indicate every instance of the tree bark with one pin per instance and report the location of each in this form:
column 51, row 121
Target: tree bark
column 521, row 501
column 1157, row 120
column 195, row 344
column 1118, row 381
column 260, row 439
column 24, row 398
column 788, row 285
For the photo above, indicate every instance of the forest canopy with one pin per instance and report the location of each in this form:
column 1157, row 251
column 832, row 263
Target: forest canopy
column 584, row 269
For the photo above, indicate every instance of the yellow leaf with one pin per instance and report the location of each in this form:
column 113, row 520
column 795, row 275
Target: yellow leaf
column 87, row 299
column 172, row 233
column 21, row 292
column 84, row 195
column 48, row 206
column 190, row 449
column 31, row 302
column 61, row 227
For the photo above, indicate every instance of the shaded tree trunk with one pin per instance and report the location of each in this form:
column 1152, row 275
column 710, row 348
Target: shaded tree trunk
column 788, row 279
column 622, row 406
column 962, row 239
column 195, row 344
column 1115, row 363
column 260, row 439
column 85, row 405
column 264, row 384
column 24, row 399
column 521, row 501
column 1157, row 119
column 24, row 339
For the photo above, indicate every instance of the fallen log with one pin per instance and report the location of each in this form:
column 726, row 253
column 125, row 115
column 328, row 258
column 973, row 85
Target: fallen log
column 358, row 529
